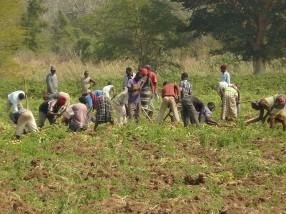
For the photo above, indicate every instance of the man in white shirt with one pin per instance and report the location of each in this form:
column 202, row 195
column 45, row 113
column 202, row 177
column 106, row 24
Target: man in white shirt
column 108, row 90
column 14, row 100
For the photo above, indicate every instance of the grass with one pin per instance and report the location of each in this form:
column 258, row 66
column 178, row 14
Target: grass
column 142, row 168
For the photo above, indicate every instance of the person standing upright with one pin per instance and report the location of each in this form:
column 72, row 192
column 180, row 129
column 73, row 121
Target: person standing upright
column 225, row 76
column 188, row 109
column 85, row 82
column 52, row 81
column 127, row 77
column 170, row 95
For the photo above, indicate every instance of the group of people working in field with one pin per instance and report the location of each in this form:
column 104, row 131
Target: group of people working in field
column 137, row 95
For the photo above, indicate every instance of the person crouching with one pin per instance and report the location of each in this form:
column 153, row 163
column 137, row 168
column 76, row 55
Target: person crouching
column 103, row 113
column 25, row 122
column 51, row 110
column 76, row 117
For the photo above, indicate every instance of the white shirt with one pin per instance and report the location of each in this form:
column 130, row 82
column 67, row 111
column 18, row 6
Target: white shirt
column 107, row 89
column 13, row 99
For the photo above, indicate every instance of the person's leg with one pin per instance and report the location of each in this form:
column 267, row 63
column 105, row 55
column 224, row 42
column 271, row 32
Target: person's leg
column 232, row 107
column 192, row 113
column 118, row 114
column 224, row 107
column 131, row 110
column 20, row 128
column 52, row 119
column 185, row 114
column 31, row 123
column 173, row 106
column 42, row 119
column 32, row 126
column 137, row 112
column 124, row 114
column 163, row 108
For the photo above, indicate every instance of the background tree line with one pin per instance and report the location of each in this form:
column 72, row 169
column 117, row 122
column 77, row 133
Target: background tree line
column 146, row 31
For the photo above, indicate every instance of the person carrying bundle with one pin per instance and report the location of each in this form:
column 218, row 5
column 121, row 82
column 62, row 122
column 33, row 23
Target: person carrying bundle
column 264, row 104
column 170, row 95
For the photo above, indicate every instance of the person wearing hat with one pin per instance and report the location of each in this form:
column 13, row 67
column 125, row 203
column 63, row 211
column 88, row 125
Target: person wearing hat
column 52, row 81
column 51, row 110
column 85, row 82
column 225, row 76
column 262, row 105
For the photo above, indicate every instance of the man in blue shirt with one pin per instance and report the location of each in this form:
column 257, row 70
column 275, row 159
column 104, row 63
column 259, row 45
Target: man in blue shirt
column 225, row 76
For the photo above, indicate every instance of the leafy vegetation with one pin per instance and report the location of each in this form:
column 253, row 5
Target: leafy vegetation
column 11, row 35
column 146, row 167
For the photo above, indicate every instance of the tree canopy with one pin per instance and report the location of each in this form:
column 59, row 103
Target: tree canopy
column 11, row 34
column 143, row 30
column 253, row 29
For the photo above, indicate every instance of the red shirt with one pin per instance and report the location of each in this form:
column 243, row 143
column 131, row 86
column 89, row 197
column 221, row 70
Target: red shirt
column 153, row 78
column 170, row 90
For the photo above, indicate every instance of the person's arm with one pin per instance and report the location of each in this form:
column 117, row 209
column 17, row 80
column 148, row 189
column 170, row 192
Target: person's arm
column 92, row 81
column 228, row 78
column 211, row 122
column 177, row 92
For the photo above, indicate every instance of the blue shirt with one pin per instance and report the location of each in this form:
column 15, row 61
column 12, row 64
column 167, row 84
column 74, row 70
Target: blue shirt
column 98, row 93
column 88, row 100
column 225, row 77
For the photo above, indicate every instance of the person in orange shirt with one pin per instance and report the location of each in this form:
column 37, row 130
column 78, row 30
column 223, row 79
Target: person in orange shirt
column 170, row 95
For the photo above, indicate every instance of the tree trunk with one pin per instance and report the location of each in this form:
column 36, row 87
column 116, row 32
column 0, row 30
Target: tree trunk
column 259, row 66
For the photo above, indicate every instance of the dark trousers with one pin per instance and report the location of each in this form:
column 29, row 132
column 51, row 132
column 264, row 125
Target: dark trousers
column 189, row 112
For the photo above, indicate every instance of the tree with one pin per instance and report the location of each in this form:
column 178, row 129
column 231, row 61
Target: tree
column 143, row 30
column 33, row 23
column 63, row 35
column 253, row 29
column 11, row 34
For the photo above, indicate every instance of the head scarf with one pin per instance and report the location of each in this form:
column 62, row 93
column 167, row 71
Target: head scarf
column 61, row 101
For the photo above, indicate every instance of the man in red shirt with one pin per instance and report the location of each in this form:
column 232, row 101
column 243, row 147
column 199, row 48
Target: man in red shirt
column 170, row 94
column 153, row 78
